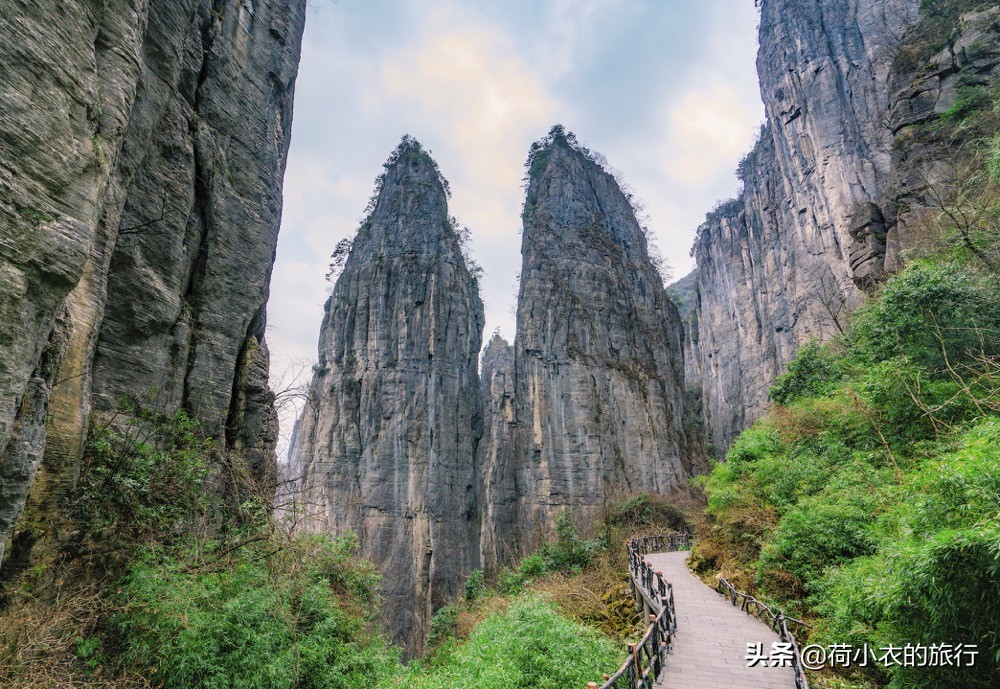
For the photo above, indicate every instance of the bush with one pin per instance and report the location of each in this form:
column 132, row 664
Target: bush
column 931, row 315
column 993, row 161
column 475, row 585
column 133, row 487
column 532, row 567
column 442, row 625
column 647, row 510
column 569, row 551
column 868, row 500
column 529, row 647
column 935, row 577
column 252, row 623
column 813, row 371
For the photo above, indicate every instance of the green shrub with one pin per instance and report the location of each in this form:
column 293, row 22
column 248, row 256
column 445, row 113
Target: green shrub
column 931, row 315
column 442, row 625
column 254, row 622
column 820, row 531
column 868, row 501
column 569, row 551
column 970, row 99
column 133, row 487
column 475, row 585
column 935, row 576
column 634, row 511
column 532, row 567
column 531, row 646
column 813, row 371
column 511, row 581
column 993, row 161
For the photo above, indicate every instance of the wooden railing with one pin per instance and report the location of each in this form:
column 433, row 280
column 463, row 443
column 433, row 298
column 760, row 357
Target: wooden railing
column 654, row 594
column 778, row 621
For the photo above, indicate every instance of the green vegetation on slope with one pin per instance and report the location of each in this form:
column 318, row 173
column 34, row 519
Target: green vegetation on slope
column 166, row 579
column 157, row 576
column 868, row 499
column 532, row 645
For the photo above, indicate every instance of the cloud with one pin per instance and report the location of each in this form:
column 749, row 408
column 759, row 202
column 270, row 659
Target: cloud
column 709, row 127
column 666, row 90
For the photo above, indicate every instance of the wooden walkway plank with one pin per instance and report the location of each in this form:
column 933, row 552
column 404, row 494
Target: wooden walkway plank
column 710, row 647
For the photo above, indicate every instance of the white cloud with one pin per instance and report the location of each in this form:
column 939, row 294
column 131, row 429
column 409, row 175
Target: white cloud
column 477, row 83
column 709, row 128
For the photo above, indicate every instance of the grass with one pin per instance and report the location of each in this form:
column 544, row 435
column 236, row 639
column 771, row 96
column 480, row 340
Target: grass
column 868, row 500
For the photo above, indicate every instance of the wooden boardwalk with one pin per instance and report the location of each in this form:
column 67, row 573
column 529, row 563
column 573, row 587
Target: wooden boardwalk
column 711, row 644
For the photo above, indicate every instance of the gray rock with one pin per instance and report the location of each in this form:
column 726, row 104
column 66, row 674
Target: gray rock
column 142, row 146
column 927, row 159
column 774, row 265
column 388, row 438
column 867, row 251
column 501, row 492
column 598, row 354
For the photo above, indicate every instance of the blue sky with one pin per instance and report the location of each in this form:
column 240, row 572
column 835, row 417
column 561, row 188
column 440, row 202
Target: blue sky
column 666, row 90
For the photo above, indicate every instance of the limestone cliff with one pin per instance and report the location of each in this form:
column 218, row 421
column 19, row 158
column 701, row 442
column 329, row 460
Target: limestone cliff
column 598, row 390
column 501, row 490
column 838, row 186
column 142, row 149
column 774, row 266
column 388, row 439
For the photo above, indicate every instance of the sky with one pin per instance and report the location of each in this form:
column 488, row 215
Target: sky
column 666, row 90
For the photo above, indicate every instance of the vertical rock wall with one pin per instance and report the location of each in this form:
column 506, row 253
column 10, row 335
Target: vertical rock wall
column 388, row 439
column 501, row 490
column 142, row 148
column 775, row 264
column 598, row 353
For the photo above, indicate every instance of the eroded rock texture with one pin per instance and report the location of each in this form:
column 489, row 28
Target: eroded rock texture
column 862, row 149
column 940, row 78
column 142, row 148
column 388, row 439
column 598, row 353
column 775, row 265
column 501, row 491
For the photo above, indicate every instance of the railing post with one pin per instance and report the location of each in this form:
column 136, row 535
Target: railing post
column 636, row 670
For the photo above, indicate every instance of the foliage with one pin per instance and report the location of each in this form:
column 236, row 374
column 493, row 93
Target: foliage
column 868, row 498
column 569, row 551
column 464, row 235
column 475, row 585
column 935, row 575
column 970, row 99
column 341, row 252
column 813, row 371
column 938, row 19
column 647, row 509
column 933, row 315
column 142, row 477
column 256, row 622
column 530, row 646
column 178, row 574
column 409, row 151
column 443, row 624
column 993, row 161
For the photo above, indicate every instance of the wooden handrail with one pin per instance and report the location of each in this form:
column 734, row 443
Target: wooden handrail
column 779, row 622
column 647, row 658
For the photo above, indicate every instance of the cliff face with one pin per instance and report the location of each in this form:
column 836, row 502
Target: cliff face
column 786, row 261
column 142, row 149
column 501, row 488
column 598, row 362
column 388, row 439
column 862, row 146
